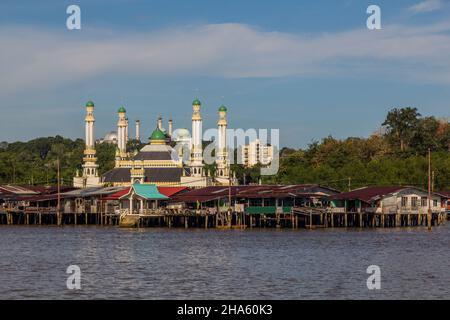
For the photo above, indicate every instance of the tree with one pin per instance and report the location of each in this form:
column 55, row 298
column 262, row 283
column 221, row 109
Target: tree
column 426, row 136
column 134, row 145
column 401, row 124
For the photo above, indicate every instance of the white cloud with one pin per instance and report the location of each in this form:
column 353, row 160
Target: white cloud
column 426, row 6
column 44, row 58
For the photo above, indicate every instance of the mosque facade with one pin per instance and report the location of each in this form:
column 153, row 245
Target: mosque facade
column 165, row 160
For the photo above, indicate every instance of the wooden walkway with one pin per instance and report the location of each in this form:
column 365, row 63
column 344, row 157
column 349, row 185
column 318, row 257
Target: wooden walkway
column 309, row 218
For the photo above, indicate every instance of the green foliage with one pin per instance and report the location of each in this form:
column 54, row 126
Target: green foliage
column 105, row 156
column 134, row 145
column 35, row 161
column 397, row 158
column 401, row 126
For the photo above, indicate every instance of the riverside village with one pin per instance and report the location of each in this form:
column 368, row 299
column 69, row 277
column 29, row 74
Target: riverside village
column 167, row 184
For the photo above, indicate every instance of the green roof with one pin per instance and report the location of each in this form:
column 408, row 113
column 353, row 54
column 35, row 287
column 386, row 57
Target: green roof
column 196, row 102
column 223, row 108
column 122, row 109
column 148, row 191
column 158, row 135
column 89, row 104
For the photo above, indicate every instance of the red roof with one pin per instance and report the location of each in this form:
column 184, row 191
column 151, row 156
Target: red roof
column 170, row 191
column 258, row 191
column 117, row 195
column 367, row 194
column 443, row 194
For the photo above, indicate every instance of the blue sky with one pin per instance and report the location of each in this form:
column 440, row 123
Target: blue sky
column 309, row 68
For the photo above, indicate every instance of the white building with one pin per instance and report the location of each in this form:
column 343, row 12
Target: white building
column 256, row 153
column 110, row 137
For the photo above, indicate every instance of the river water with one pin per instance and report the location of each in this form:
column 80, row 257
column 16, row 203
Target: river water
column 223, row 264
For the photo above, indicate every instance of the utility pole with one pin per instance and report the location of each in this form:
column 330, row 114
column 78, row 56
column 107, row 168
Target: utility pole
column 58, row 209
column 429, row 216
column 230, row 216
column 432, row 181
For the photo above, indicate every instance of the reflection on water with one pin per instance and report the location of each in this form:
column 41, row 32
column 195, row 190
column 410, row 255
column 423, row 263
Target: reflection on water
column 221, row 264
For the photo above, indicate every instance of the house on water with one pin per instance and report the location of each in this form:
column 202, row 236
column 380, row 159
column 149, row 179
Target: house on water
column 385, row 207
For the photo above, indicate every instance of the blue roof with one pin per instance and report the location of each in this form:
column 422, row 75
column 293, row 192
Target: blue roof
column 148, row 191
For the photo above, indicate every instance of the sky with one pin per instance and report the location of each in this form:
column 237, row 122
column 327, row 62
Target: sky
column 308, row 68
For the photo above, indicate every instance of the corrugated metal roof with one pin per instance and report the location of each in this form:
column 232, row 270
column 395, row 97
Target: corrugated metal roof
column 369, row 194
column 93, row 191
column 267, row 191
column 171, row 191
column 146, row 191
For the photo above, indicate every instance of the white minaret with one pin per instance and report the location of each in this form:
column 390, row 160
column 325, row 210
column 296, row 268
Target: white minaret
column 122, row 128
column 138, row 130
column 196, row 164
column 221, row 147
column 170, row 127
column 159, row 123
column 126, row 132
column 90, row 176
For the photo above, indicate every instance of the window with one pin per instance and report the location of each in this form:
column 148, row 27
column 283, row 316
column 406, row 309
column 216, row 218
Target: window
column 423, row 201
column 414, row 202
column 435, row 203
column 404, row 201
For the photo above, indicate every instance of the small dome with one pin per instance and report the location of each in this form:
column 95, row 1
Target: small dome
column 89, row 104
column 157, row 135
column 183, row 134
column 223, row 108
column 122, row 110
column 196, row 102
column 110, row 136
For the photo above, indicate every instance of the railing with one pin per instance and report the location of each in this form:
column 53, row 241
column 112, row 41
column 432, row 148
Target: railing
column 40, row 210
column 337, row 210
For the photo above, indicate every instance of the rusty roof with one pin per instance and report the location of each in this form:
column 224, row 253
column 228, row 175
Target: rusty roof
column 369, row 194
column 259, row 191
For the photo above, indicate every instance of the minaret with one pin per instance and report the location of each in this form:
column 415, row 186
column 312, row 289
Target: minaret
column 126, row 132
column 222, row 150
column 138, row 130
column 170, row 127
column 90, row 176
column 160, row 123
column 122, row 128
column 196, row 142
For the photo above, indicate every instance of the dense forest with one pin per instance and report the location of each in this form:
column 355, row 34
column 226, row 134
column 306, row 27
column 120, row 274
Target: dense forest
column 398, row 155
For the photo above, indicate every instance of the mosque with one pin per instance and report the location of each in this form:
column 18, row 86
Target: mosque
column 158, row 162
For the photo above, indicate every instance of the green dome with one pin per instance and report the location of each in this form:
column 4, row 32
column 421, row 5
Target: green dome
column 158, row 135
column 223, row 108
column 89, row 104
column 122, row 110
column 196, row 102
